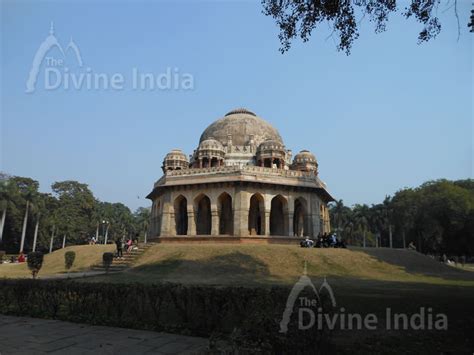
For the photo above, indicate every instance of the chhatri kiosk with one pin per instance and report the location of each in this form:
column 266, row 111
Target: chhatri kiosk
column 241, row 181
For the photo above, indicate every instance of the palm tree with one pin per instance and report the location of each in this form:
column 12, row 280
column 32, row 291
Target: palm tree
column 361, row 215
column 337, row 212
column 38, row 208
column 52, row 239
column 4, row 194
column 3, row 207
column 387, row 205
column 25, row 221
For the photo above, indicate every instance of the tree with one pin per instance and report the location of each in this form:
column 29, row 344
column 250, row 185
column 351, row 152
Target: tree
column 142, row 220
column 298, row 18
column 35, row 262
column 76, row 204
column 29, row 189
column 361, row 221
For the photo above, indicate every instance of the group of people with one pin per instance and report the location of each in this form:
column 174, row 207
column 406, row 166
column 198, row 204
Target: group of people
column 323, row 241
column 129, row 245
column 21, row 258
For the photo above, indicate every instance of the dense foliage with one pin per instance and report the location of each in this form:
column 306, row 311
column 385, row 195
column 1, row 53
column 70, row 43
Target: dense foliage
column 35, row 262
column 71, row 209
column 438, row 217
column 248, row 316
column 69, row 258
column 298, row 18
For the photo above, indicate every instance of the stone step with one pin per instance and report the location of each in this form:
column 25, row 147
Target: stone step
column 112, row 267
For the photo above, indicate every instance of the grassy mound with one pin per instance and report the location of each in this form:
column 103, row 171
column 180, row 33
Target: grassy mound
column 86, row 256
column 248, row 265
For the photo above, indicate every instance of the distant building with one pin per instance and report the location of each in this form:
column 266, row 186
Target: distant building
column 240, row 181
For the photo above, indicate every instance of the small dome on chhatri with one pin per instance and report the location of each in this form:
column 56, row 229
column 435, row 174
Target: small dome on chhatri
column 242, row 127
column 211, row 144
column 176, row 154
column 271, row 144
column 304, row 156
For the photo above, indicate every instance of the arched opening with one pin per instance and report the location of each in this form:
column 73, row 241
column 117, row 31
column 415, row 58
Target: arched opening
column 226, row 220
column 203, row 215
column 256, row 215
column 205, row 162
column 278, row 223
column 300, row 218
column 181, row 215
column 214, row 162
column 267, row 163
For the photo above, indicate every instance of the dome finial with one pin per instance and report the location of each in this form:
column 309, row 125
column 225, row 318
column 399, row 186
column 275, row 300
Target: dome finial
column 240, row 110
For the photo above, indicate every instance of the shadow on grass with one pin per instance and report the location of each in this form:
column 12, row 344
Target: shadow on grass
column 415, row 263
column 235, row 267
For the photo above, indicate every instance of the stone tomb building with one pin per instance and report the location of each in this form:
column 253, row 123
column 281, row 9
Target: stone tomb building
column 241, row 181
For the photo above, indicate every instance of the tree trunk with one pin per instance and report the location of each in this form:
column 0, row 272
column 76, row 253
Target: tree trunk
column 363, row 240
column 403, row 239
column 106, row 234
column 376, row 240
column 51, row 242
column 2, row 223
column 64, row 241
column 390, row 235
column 25, row 222
column 36, row 234
column 145, row 237
column 97, row 234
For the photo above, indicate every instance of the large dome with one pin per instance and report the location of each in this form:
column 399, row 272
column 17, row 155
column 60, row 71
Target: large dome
column 241, row 124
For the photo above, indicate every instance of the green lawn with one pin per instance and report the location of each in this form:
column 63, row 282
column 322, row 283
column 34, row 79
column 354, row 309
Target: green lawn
column 255, row 264
column 86, row 256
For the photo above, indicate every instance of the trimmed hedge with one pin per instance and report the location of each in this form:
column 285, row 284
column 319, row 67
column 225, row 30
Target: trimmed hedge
column 69, row 258
column 248, row 318
column 107, row 259
column 35, row 262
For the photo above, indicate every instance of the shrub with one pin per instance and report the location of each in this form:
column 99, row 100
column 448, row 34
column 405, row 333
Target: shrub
column 107, row 259
column 69, row 258
column 35, row 262
column 246, row 318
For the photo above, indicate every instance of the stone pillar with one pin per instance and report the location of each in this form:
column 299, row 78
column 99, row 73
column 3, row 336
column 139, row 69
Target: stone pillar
column 267, row 222
column 289, row 218
column 191, row 222
column 241, row 212
column 215, row 221
column 166, row 219
column 200, row 163
column 173, row 223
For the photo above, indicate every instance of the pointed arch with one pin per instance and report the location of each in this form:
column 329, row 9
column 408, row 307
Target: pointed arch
column 202, row 206
column 256, row 219
column 181, row 215
column 226, row 218
column 278, row 211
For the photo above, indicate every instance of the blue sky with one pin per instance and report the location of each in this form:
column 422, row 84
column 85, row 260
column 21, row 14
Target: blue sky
column 390, row 115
